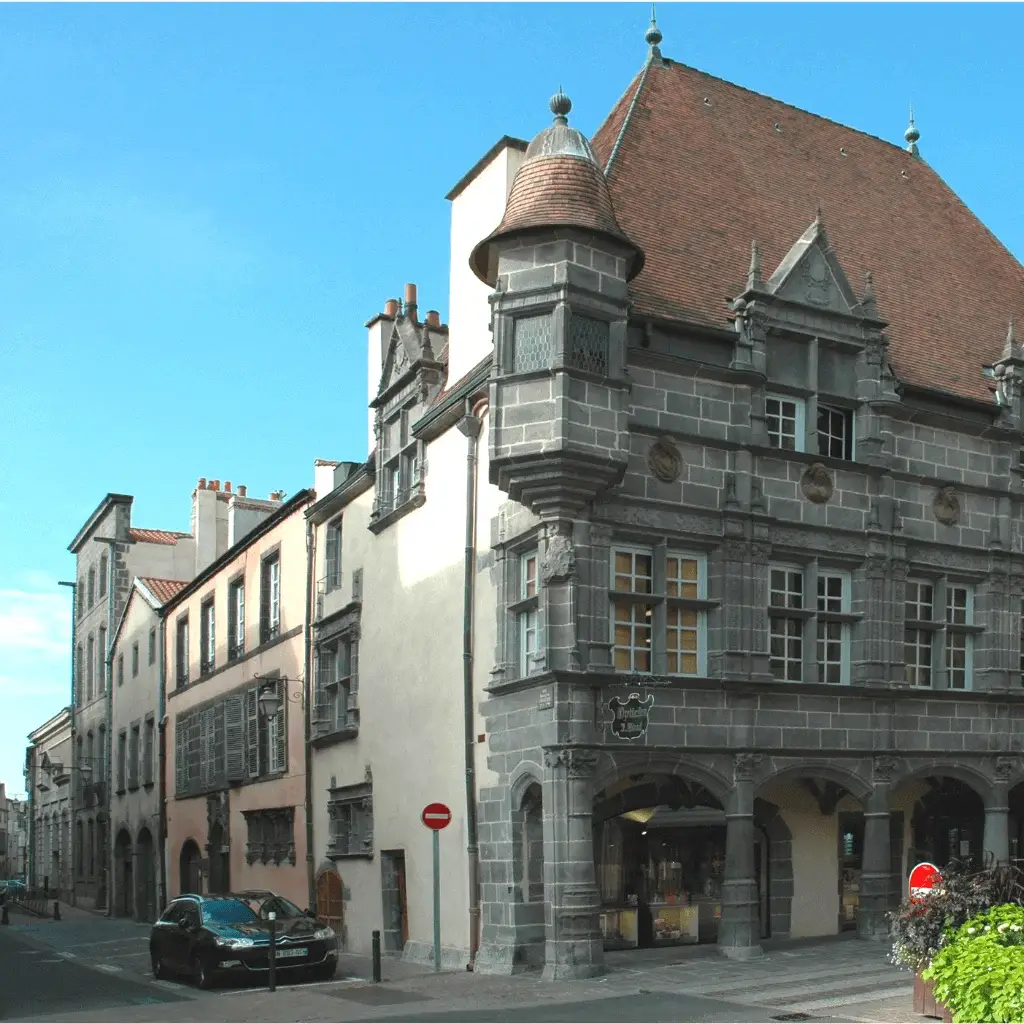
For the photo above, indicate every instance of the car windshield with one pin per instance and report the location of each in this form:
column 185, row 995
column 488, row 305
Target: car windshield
column 285, row 909
column 228, row 912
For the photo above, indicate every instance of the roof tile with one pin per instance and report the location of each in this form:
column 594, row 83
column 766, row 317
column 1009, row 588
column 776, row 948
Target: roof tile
column 163, row 589
column 140, row 536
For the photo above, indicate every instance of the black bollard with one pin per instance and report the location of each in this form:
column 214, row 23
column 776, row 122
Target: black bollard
column 56, row 910
column 376, row 956
column 272, row 954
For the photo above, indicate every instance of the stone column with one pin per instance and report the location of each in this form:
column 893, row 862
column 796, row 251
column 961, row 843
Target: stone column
column 996, row 846
column 739, row 935
column 574, row 947
column 875, row 877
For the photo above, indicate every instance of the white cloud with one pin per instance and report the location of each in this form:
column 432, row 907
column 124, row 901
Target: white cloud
column 34, row 628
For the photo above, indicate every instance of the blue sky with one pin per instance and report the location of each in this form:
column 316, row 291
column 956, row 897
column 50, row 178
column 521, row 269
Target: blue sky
column 201, row 205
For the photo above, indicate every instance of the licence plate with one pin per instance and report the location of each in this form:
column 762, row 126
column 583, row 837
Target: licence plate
column 286, row 953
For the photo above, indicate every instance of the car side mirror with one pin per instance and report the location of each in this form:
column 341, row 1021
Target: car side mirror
column 184, row 926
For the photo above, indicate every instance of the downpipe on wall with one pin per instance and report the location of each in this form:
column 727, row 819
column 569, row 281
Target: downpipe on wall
column 307, row 723
column 161, row 896
column 470, row 426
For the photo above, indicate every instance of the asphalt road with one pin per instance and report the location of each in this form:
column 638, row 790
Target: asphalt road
column 35, row 982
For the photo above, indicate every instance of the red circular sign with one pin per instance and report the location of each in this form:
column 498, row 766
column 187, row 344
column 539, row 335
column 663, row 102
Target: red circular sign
column 436, row 816
column 923, row 879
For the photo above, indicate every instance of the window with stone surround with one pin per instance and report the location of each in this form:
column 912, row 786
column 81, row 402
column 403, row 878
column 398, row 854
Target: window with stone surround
column 270, row 597
column 90, row 668
column 794, row 622
column 236, row 619
column 643, row 588
column 525, row 610
column 120, row 669
column 152, row 646
column 80, row 596
column 588, row 344
column 92, row 587
column 80, row 675
column 270, row 835
column 122, row 759
column 135, row 659
column 533, row 343
column 149, row 752
column 337, row 691
column 398, row 462
column 784, row 419
column 332, row 556
column 927, row 637
column 101, row 660
column 134, row 750
column 181, row 652
column 207, row 636
column 104, row 562
column 350, row 812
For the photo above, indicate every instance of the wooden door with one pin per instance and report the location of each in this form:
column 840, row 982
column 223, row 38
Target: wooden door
column 400, row 874
column 330, row 907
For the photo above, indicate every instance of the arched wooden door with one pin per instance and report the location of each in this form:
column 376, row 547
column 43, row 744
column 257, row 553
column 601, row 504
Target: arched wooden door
column 330, row 907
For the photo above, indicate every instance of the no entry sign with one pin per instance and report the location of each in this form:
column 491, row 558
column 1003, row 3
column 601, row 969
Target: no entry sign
column 923, row 879
column 436, row 816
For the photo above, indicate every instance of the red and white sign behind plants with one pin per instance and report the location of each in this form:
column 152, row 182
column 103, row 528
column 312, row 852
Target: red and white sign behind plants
column 923, row 879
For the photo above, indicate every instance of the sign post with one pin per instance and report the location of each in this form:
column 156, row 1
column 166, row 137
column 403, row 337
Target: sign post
column 923, row 879
column 437, row 817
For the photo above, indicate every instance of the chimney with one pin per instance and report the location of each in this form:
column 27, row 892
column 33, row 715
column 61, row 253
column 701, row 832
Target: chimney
column 214, row 485
column 391, row 308
column 227, row 486
column 241, row 490
column 433, row 318
column 202, row 484
column 410, row 302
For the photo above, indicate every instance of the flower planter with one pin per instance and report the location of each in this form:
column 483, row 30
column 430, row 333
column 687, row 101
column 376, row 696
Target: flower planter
column 924, row 1000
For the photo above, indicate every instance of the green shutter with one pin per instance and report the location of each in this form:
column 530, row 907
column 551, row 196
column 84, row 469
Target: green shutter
column 234, row 737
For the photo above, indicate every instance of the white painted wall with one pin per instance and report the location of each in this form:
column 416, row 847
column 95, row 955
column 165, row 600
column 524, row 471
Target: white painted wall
column 476, row 212
column 410, row 694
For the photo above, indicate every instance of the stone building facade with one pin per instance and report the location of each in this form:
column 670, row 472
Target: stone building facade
column 48, row 777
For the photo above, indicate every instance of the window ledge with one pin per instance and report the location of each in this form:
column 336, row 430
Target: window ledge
column 335, row 855
column 336, row 736
column 381, row 522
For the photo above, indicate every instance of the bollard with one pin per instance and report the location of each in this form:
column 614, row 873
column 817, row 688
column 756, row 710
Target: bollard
column 376, row 955
column 56, row 910
column 272, row 953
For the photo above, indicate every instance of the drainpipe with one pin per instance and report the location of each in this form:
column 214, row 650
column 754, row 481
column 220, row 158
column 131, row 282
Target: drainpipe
column 108, row 673
column 75, row 779
column 161, row 718
column 470, row 426
column 32, row 761
column 307, row 723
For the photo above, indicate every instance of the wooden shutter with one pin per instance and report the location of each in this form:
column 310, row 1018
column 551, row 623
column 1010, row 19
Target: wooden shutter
column 194, row 751
column 282, row 729
column 234, row 737
column 219, row 746
column 252, row 733
column 133, row 757
column 180, row 776
column 147, row 752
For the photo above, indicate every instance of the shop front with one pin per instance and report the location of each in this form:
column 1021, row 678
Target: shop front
column 660, row 873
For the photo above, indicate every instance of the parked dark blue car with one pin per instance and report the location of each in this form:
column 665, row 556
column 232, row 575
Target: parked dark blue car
column 211, row 937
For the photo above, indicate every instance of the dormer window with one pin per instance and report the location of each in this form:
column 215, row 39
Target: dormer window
column 399, row 463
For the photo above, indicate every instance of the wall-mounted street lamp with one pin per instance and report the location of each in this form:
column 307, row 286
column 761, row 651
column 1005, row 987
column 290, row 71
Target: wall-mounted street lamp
column 270, row 702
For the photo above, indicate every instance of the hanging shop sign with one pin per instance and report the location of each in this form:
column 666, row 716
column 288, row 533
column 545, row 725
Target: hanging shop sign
column 630, row 717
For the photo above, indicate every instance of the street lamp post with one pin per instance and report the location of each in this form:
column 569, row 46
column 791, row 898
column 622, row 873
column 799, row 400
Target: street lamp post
column 74, row 705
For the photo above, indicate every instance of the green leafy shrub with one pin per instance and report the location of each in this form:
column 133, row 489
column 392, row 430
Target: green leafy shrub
column 921, row 928
column 979, row 971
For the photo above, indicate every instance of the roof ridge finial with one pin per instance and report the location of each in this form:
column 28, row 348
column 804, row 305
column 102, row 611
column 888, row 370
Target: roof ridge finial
column 819, row 217
column 754, row 277
column 1011, row 336
column 653, row 35
column 912, row 135
column 560, row 105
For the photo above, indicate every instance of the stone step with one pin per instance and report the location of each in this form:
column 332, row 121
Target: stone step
column 768, row 988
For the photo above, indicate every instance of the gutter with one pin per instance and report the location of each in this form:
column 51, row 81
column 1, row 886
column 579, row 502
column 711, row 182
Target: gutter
column 307, row 722
column 470, row 426
column 161, row 717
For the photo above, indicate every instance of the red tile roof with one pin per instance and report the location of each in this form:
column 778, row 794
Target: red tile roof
column 163, row 590
column 140, row 536
column 702, row 168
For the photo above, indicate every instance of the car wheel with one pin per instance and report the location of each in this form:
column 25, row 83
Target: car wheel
column 201, row 974
column 323, row 972
column 157, row 963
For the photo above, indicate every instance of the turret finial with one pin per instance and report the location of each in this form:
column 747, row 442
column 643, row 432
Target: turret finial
column 754, row 278
column 912, row 135
column 560, row 105
column 653, row 35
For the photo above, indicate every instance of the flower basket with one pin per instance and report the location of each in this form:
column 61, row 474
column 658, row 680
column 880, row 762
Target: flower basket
column 924, row 1000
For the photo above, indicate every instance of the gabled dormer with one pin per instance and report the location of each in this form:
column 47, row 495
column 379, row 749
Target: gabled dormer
column 820, row 349
column 412, row 373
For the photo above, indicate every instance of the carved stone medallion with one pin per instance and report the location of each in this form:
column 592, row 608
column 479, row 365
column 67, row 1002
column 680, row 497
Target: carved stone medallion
column 559, row 559
column 664, row 460
column 816, row 483
column 947, row 506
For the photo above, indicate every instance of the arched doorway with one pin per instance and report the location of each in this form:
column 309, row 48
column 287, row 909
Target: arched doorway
column 659, row 858
column 330, row 903
column 947, row 823
column 220, row 871
column 124, row 883
column 145, row 885
column 527, row 896
column 190, row 868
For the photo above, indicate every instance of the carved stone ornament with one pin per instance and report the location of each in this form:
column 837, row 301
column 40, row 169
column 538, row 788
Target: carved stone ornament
column 884, row 767
column 745, row 765
column 1005, row 767
column 816, row 483
column 578, row 763
column 947, row 506
column 559, row 559
column 664, row 460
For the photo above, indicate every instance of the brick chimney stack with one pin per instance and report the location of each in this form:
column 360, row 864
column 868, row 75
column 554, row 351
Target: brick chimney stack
column 410, row 302
column 391, row 308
